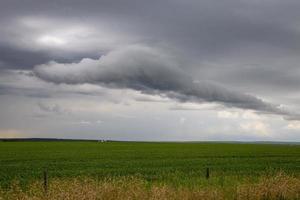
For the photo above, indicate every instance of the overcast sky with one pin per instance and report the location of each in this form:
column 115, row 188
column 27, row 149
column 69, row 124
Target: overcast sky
column 150, row 70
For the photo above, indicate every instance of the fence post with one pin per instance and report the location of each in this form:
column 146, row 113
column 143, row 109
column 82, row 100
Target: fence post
column 45, row 181
column 207, row 173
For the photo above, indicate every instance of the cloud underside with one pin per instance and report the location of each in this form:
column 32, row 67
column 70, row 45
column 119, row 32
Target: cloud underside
column 151, row 71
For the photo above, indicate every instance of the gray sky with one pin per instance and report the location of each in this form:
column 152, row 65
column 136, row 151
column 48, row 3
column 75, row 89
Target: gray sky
column 150, row 70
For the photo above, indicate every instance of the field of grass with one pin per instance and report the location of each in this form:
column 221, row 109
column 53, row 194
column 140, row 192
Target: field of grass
column 171, row 163
column 278, row 187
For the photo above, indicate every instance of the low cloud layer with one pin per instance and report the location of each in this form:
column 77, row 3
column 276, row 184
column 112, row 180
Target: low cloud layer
column 151, row 71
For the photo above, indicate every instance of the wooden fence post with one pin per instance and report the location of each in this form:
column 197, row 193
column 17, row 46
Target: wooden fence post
column 207, row 173
column 45, row 181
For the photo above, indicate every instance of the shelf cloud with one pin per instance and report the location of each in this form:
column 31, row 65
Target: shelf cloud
column 151, row 71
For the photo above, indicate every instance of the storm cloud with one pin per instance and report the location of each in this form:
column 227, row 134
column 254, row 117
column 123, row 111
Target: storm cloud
column 150, row 71
column 100, row 57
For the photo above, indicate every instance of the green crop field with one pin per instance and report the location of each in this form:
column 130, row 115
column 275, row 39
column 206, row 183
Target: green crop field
column 25, row 161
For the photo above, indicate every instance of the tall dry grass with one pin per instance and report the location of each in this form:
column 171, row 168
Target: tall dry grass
column 279, row 187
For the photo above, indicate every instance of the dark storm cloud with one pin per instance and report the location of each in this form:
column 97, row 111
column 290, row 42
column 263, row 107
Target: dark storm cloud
column 17, row 58
column 14, row 58
column 24, row 83
column 152, row 72
column 204, row 29
column 226, row 33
